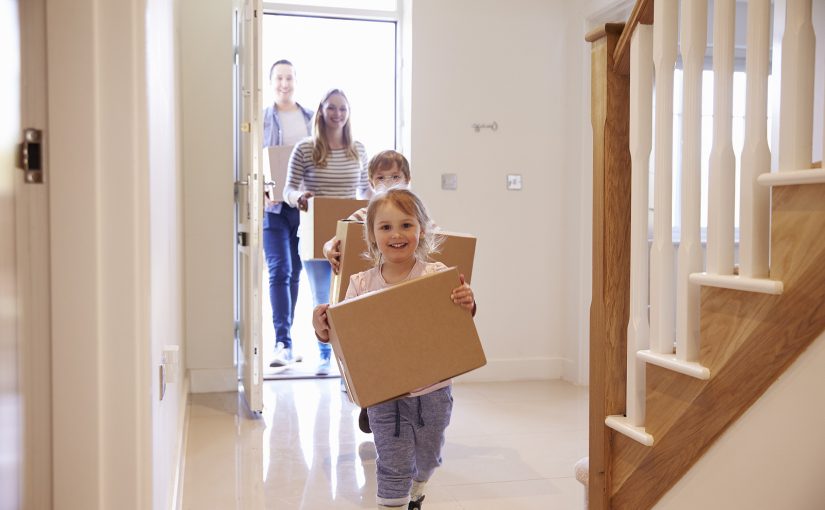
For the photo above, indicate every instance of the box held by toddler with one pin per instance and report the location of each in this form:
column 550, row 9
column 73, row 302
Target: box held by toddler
column 319, row 222
column 456, row 250
column 411, row 335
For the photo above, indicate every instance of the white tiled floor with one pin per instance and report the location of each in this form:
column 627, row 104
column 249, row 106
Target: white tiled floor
column 509, row 446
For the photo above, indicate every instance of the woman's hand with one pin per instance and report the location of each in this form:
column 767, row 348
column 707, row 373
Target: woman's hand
column 332, row 251
column 303, row 200
column 463, row 296
column 320, row 322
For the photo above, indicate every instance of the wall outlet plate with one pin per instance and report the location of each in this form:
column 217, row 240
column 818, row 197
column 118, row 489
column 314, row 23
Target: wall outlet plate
column 449, row 181
column 514, row 182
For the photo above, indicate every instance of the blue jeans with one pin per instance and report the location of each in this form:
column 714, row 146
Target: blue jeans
column 320, row 274
column 280, row 237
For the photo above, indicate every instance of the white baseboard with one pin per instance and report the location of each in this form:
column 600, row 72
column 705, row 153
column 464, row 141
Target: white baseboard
column 213, row 380
column 176, row 500
column 528, row 369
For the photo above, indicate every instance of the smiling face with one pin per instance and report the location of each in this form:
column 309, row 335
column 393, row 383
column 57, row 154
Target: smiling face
column 283, row 83
column 396, row 234
column 335, row 111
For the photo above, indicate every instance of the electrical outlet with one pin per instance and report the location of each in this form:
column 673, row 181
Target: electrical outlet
column 449, row 182
column 514, row 182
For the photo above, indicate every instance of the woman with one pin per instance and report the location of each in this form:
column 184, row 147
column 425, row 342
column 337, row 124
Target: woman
column 285, row 123
column 330, row 163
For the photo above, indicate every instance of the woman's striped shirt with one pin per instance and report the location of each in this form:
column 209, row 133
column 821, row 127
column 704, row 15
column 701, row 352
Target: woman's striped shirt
column 343, row 177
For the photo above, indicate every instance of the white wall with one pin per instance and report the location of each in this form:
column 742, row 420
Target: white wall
column 772, row 456
column 206, row 115
column 520, row 64
column 165, row 243
column 116, row 251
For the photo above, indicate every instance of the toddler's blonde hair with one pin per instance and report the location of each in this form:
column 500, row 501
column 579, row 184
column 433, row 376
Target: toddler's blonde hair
column 409, row 203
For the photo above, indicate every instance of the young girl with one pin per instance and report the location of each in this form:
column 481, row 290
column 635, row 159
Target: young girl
column 409, row 432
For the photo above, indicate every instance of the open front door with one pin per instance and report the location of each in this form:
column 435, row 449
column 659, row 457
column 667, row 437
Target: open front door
column 249, row 201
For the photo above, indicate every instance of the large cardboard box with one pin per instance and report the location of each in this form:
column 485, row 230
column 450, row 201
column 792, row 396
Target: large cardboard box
column 411, row 335
column 275, row 165
column 319, row 222
column 457, row 250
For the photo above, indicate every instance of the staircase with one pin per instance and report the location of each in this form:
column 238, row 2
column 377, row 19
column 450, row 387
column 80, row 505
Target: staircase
column 658, row 400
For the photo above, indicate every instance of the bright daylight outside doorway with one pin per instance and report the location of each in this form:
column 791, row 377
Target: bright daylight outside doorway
column 358, row 56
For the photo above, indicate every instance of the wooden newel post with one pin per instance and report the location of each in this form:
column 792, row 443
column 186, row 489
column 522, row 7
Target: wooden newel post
column 609, row 309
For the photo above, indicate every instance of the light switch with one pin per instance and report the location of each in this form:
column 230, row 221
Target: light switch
column 514, row 182
column 449, row 181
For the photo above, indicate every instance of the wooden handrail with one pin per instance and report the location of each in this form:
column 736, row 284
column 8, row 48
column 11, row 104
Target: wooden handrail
column 642, row 13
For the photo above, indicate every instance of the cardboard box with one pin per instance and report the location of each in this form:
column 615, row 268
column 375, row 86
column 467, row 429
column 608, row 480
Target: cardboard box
column 411, row 335
column 457, row 250
column 318, row 224
column 353, row 247
column 275, row 165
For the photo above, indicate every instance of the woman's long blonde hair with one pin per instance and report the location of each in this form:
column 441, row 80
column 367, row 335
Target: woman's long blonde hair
column 409, row 203
column 320, row 144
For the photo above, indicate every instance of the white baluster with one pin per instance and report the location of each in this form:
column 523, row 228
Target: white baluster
column 641, row 126
column 694, row 43
column 754, row 216
column 722, row 172
column 797, row 89
column 662, row 278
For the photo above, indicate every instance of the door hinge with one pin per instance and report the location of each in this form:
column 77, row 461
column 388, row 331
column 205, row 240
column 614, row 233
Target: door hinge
column 242, row 241
column 30, row 155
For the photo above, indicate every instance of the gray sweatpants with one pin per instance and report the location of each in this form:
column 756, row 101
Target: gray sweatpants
column 409, row 436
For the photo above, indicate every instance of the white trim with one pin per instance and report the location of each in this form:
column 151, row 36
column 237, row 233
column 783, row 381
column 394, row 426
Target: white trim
column 516, row 369
column 622, row 424
column 761, row 285
column 792, row 177
column 212, row 380
column 671, row 362
column 330, row 11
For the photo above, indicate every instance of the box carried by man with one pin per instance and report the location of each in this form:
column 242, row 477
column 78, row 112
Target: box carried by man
column 403, row 338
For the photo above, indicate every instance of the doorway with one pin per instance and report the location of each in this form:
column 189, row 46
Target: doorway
column 364, row 64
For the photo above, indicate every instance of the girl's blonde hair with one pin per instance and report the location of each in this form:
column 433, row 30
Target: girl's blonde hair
column 409, row 203
column 320, row 144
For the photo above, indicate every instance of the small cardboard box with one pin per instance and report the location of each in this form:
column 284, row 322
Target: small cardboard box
column 275, row 165
column 319, row 222
column 457, row 250
column 411, row 335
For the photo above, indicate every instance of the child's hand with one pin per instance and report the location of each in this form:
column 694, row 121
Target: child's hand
column 332, row 250
column 320, row 322
column 463, row 296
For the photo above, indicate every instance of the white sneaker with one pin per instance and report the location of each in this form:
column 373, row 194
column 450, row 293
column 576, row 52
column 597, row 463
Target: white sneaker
column 323, row 367
column 284, row 356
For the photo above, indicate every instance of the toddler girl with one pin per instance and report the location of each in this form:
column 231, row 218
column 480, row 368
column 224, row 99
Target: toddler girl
column 409, row 432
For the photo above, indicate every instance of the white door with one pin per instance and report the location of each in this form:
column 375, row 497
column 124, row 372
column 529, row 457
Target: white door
column 249, row 202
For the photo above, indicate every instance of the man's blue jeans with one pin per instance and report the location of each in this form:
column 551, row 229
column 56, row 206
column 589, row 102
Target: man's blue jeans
column 320, row 273
column 280, row 237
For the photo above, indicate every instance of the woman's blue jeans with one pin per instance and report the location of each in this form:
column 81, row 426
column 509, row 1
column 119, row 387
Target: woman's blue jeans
column 319, row 273
column 280, row 239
